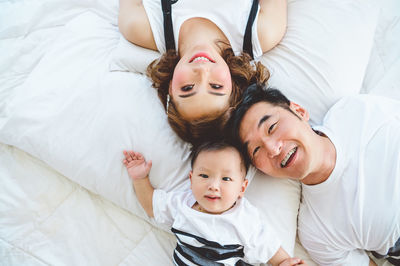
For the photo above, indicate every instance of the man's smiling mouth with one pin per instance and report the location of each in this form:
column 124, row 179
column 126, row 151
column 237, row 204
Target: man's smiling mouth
column 289, row 157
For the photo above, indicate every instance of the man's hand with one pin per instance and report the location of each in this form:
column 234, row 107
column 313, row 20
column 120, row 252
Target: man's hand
column 136, row 165
column 292, row 261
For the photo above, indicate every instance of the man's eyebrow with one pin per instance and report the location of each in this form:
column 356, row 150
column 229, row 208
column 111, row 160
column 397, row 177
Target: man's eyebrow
column 262, row 120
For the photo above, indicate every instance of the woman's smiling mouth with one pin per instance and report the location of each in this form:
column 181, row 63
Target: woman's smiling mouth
column 201, row 57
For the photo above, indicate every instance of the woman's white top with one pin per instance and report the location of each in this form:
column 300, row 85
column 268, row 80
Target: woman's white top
column 230, row 17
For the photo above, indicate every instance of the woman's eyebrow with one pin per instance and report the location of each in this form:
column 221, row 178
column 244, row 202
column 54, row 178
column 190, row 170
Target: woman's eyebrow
column 217, row 93
column 193, row 93
column 187, row 95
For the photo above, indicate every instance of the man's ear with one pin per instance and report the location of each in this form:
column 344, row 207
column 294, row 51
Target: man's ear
column 300, row 111
column 243, row 188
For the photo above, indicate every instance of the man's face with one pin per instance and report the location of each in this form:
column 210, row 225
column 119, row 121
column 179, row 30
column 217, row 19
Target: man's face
column 279, row 142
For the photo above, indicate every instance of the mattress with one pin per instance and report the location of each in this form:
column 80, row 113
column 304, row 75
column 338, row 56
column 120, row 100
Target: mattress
column 65, row 83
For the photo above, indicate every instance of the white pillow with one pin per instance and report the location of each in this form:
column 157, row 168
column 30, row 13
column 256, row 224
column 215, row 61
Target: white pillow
column 130, row 57
column 322, row 57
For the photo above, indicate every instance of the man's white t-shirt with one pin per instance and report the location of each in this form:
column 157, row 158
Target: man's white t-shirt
column 358, row 207
column 222, row 237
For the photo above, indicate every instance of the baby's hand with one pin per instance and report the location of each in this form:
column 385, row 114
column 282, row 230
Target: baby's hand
column 292, row 261
column 136, row 165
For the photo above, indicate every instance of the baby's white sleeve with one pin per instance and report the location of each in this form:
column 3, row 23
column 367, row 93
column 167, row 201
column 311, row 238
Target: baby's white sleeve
column 164, row 207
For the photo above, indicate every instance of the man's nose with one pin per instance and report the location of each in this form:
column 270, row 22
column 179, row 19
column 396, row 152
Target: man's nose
column 273, row 147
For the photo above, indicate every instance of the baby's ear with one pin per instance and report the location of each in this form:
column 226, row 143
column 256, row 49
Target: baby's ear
column 190, row 177
column 243, row 188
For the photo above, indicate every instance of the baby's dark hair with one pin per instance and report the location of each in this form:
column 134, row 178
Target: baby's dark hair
column 218, row 145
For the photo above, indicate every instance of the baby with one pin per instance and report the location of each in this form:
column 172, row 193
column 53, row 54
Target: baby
column 213, row 222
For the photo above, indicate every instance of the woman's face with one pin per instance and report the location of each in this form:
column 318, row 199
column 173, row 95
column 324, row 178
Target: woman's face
column 201, row 84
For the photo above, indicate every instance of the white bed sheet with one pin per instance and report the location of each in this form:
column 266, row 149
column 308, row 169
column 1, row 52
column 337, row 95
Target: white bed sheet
column 45, row 218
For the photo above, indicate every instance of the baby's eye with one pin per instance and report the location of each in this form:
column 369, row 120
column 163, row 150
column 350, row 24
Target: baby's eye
column 203, row 175
column 227, row 178
column 216, row 86
column 187, row 88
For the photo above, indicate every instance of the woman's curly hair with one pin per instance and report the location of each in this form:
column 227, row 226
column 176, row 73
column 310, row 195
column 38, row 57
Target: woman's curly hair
column 243, row 73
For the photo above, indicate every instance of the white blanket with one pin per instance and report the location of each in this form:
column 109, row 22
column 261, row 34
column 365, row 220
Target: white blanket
column 59, row 102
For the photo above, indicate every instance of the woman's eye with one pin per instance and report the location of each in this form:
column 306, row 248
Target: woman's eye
column 187, row 88
column 226, row 178
column 203, row 175
column 272, row 127
column 215, row 86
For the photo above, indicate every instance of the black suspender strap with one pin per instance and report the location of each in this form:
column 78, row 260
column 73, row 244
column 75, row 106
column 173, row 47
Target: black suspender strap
column 168, row 30
column 247, row 42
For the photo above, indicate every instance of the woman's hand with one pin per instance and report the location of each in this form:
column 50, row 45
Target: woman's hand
column 136, row 165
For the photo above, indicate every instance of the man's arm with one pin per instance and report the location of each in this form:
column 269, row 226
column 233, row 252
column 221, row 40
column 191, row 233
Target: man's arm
column 281, row 258
column 138, row 170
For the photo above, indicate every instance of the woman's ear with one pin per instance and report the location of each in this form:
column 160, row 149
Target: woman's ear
column 300, row 111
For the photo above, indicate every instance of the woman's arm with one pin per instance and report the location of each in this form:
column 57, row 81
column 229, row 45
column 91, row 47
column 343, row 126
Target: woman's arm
column 272, row 23
column 134, row 24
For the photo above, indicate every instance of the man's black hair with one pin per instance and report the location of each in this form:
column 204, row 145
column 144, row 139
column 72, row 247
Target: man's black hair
column 255, row 93
column 218, row 145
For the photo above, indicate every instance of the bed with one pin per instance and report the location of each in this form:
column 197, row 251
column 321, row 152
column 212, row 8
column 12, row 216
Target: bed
column 73, row 96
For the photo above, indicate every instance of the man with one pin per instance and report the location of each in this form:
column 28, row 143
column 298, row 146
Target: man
column 349, row 169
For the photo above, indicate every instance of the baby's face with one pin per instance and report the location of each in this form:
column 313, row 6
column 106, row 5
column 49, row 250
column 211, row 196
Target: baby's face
column 218, row 180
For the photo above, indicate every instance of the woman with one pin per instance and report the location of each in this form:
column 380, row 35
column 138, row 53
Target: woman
column 199, row 77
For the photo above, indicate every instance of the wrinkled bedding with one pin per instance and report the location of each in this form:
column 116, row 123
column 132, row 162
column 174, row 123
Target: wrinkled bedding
column 52, row 213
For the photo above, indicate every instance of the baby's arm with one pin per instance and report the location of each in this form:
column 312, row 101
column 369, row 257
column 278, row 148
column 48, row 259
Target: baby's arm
column 138, row 170
column 281, row 258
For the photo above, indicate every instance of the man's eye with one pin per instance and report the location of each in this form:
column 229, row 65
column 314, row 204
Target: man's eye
column 255, row 151
column 187, row 88
column 227, row 178
column 203, row 175
column 272, row 127
column 216, row 86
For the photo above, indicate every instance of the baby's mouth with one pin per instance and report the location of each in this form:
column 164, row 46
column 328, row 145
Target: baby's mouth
column 289, row 157
column 210, row 197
